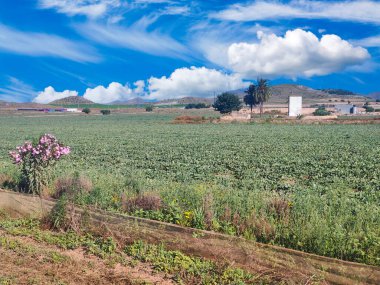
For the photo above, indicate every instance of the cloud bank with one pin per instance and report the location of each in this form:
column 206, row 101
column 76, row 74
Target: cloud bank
column 199, row 82
column 298, row 53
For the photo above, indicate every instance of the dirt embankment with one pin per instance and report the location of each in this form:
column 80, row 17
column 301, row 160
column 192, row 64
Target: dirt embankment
column 283, row 265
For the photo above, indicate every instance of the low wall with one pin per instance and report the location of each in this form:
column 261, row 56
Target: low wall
column 292, row 266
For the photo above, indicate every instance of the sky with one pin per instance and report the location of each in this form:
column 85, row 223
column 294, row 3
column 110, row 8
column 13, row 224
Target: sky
column 116, row 50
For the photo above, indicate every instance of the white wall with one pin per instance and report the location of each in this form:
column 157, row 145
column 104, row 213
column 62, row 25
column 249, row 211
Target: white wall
column 295, row 106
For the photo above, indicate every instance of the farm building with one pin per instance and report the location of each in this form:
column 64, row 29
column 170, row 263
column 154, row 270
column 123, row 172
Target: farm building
column 346, row 109
column 46, row 110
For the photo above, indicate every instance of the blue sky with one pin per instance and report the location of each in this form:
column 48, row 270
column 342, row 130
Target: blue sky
column 109, row 50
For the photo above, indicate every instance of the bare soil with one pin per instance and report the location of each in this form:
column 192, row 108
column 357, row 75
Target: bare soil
column 38, row 263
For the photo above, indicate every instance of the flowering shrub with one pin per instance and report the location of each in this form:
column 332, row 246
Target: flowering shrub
column 35, row 159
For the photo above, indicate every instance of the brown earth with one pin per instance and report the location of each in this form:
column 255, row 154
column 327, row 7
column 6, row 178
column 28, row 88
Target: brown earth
column 33, row 262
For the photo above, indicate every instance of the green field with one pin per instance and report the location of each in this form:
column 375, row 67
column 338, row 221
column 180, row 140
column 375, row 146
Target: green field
column 314, row 188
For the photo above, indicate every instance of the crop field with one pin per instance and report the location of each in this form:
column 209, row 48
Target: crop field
column 314, row 188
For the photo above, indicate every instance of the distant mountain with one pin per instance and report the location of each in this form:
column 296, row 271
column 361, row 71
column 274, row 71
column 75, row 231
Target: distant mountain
column 187, row 100
column 374, row 95
column 281, row 92
column 71, row 100
column 134, row 101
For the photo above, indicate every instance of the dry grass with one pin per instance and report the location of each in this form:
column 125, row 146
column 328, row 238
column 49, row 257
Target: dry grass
column 192, row 120
column 72, row 184
column 147, row 202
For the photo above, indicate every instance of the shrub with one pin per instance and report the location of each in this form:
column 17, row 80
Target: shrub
column 71, row 185
column 321, row 111
column 377, row 100
column 149, row 108
column 105, row 112
column 35, row 159
column 86, row 110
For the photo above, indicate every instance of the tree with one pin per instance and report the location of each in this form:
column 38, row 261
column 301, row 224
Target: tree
column 105, row 112
column 86, row 110
column 149, row 108
column 262, row 93
column 249, row 98
column 227, row 102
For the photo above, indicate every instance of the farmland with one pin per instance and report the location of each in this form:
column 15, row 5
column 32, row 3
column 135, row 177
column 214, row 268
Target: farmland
column 314, row 188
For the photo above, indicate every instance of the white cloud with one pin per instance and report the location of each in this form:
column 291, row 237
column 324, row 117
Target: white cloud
column 198, row 82
column 16, row 91
column 89, row 8
column 49, row 95
column 298, row 53
column 135, row 38
column 213, row 40
column 114, row 92
column 369, row 42
column 356, row 10
column 39, row 44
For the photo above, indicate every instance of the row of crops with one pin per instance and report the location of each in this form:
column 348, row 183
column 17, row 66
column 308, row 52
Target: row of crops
column 310, row 187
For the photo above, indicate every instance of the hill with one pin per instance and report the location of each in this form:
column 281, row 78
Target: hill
column 71, row 100
column 281, row 92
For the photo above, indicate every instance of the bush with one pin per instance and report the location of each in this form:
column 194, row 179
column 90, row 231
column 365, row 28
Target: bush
column 35, row 159
column 71, row 185
column 197, row 106
column 105, row 112
column 227, row 102
column 321, row 111
column 369, row 109
column 149, row 108
column 377, row 100
column 86, row 110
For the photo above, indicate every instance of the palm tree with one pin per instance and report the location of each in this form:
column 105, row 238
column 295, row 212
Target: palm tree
column 262, row 93
column 249, row 98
